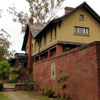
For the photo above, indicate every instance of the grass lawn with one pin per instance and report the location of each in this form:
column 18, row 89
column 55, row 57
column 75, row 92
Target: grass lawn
column 10, row 84
column 35, row 95
column 3, row 97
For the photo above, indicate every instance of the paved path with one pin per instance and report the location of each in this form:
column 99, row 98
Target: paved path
column 16, row 95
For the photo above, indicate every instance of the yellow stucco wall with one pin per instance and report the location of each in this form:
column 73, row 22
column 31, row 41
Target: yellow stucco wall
column 48, row 43
column 26, row 51
column 66, row 31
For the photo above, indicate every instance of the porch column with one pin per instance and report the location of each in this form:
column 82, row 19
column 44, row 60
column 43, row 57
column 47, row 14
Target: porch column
column 39, row 57
column 59, row 49
column 49, row 54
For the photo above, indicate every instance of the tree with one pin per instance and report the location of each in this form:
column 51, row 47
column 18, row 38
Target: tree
column 4, row 45
column 42, row 11
column 4, row 70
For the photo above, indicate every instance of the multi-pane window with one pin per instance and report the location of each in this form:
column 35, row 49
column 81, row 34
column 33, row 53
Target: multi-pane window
column 45, row 39
column 81, row 30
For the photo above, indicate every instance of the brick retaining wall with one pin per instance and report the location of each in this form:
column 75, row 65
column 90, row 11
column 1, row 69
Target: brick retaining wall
column 81, row 65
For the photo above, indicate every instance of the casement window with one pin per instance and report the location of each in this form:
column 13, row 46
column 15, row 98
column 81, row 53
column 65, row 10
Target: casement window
column 53, row 71
column 55, row 32
column 81, row 30
column 45, row 39
column 81, row 17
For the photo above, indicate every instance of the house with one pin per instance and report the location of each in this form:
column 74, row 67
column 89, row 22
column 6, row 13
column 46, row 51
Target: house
column 66, row 43
column 77, row 27
column 20, row 59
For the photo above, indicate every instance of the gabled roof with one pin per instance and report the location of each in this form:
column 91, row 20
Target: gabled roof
column 35, row 29
column 83, row 5
column 36, row 32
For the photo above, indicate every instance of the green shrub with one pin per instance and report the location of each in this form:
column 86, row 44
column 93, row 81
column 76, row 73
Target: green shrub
column 50, row 92
column 4, row 70
column 28, row 81
column 15, row 73
column 1, row 86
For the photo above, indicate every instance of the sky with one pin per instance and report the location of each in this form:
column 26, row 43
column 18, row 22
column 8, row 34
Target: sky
column 14, row 29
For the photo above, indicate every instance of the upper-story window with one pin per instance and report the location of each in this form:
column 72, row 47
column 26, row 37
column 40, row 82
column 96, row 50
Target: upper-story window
column 45, row 39
column 32, row 48
column 81, row 17
column 35, row 46
column 40, row 42
column 55, row 32
column 81, row 30
column 51, row 35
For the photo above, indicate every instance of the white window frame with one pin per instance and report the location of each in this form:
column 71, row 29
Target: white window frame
column 53, row 71
column 81, row 30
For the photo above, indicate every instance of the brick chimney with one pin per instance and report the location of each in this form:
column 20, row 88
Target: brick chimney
column 31, row 21
column 68, row 9
column 30, row 46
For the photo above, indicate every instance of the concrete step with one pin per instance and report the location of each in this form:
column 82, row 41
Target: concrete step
column 8, row 89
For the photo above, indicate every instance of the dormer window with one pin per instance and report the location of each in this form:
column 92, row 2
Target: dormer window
column 81, row 17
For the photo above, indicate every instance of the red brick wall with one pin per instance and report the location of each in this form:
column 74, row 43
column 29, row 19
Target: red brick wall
column 98, row 68
column 80, row 65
